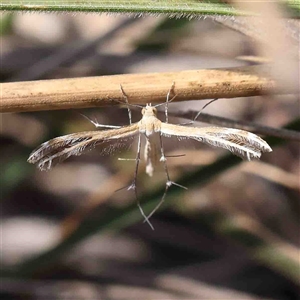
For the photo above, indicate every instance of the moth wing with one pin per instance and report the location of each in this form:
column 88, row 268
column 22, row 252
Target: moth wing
column 241, row 143
column 58, row 149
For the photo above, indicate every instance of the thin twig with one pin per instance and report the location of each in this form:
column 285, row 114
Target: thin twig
column 140, row 88
column 244, row 125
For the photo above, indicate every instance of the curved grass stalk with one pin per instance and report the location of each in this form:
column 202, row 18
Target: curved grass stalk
column 173, row 8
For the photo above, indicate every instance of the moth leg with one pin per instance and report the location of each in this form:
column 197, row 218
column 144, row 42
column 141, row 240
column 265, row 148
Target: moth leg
column 127, row 159
column 133, row 186
column 169, row 183
column 175, row 155
column 199, row 112
column 126, row 100
column 97, row 125
column 168, row 100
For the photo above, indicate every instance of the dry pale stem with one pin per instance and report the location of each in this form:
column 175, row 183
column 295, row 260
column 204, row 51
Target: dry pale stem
column 140, row 88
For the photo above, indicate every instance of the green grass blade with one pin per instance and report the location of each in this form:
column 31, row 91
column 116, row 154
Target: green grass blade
column 173, row 8
column 295, row 4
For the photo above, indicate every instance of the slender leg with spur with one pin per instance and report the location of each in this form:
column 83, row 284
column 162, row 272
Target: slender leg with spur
column 97, row 125
column 169, row 183
column 133, row 186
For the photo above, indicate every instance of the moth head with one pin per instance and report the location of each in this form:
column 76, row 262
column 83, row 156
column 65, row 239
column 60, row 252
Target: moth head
column 149, row 110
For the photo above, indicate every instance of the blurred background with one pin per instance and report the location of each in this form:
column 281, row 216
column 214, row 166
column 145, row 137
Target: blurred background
column 66, row 233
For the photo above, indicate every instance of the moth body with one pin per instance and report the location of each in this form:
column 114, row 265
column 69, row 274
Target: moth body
column 151, row 152
column 149, row 123
column 150, row 126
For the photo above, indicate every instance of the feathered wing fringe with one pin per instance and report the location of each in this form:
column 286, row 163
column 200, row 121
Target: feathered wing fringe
column 58, row 149
column 241, row 143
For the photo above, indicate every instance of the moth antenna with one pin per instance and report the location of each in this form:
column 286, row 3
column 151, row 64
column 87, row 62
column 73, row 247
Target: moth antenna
column 127, row 103
column 168, row 101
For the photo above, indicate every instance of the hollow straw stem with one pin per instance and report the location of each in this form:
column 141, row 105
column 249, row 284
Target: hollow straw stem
column 140, row 88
